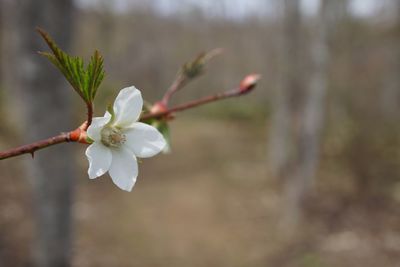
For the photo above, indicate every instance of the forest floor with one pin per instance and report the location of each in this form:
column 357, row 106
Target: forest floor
column 208, row 203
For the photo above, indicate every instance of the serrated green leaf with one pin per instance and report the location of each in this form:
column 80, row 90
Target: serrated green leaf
column 85, row 81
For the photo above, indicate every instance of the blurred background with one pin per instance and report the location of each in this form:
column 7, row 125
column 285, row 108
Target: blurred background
column 304, row 171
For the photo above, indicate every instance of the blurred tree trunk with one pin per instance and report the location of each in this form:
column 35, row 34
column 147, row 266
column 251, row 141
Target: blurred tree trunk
column 288, row 94
column 107, row 24
column 300, row 109
column 391, row 91
column 3, row 10
column 314, row 106
column 42, row 104
column 287, row 104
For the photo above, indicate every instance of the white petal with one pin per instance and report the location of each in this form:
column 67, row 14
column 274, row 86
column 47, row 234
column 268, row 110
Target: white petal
column 99, row 158
column 127, row 106
column 124, row 168
column 95, row 128
column 107, row 115
column 144, row 140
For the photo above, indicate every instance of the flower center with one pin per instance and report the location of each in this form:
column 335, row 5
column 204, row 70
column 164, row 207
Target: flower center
column 112, row 137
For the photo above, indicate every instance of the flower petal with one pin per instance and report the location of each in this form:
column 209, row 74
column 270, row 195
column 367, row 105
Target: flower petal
column 99, row 158
column 127, row 106
column 107, row 114
column 124, row 168
column 95, row 128
column 144, row 140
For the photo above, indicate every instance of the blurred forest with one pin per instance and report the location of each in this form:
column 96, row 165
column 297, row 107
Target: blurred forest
column 304, row 171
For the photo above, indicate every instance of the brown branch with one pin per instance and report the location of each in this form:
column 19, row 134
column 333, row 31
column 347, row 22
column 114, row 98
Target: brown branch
column 246, row 85
column 31, row 148
column 179, row 82
column 189, row 71
column 79, row 135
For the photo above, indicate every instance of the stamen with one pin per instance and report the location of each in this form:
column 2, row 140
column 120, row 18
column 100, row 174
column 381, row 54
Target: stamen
column 112, row 137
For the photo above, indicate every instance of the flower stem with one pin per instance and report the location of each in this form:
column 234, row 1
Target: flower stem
column 89, row 115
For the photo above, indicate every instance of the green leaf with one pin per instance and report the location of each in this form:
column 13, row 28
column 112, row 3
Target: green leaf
column 196, row 67
column 85, row 81
column 163, row 127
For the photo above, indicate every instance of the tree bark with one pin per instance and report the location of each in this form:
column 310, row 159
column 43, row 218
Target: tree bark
column 300, row 110
column 314, row 106
column 286, row 105
column 41, row 107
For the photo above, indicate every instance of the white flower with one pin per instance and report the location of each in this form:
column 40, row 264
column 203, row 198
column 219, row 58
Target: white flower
column 119, row 139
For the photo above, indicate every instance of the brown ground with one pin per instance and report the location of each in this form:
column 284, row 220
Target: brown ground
column 208, row 203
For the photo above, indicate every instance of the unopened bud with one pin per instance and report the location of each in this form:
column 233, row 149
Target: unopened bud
column 158, row 107
column 79, row 135
column 196, row 67
column 248, row 83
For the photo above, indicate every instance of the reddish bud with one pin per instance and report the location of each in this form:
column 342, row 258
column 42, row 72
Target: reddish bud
column 248, row 83
column 79, row 135
column 158, row 107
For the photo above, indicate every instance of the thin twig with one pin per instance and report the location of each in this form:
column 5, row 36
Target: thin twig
column 31, row 148
column 246, row 85
column 179, row 82
column 182, row 78
column 78, row 135
column 190, row 104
